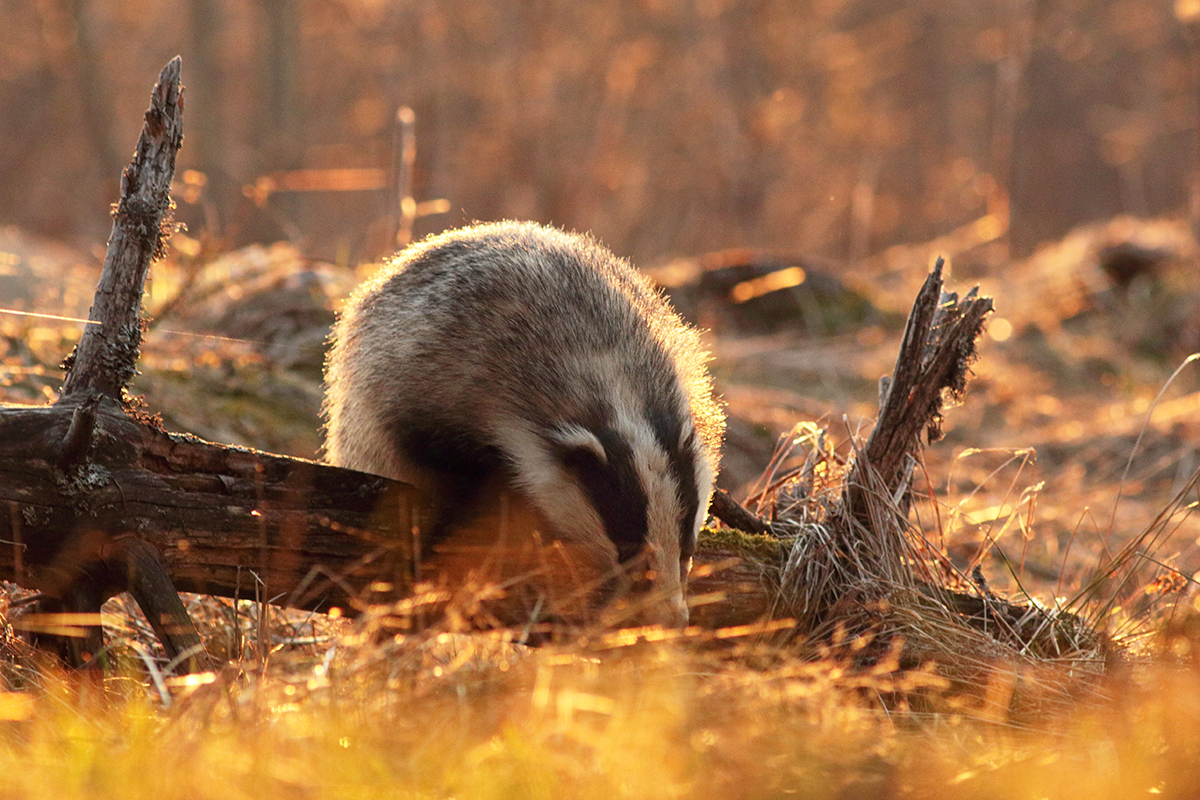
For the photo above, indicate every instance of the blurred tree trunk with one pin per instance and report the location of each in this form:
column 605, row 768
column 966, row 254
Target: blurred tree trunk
column 206, row 139
column 93, row 88
column 1017, row 18
column 282, row 103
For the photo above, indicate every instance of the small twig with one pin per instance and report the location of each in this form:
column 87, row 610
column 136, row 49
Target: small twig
column 78, row 440
column 155, row 673
column 733, row 514
column 28, row 600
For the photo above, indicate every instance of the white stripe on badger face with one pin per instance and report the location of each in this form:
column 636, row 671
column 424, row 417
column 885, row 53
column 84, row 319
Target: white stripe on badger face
column 579, row 437
column 558, row 496
column 705, row 478
column 663, row 517
column 706, row 474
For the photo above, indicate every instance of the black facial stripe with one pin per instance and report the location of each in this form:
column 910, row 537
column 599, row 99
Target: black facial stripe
column 615, row 491
column 681, row 462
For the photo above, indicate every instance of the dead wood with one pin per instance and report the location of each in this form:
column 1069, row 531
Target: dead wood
column 863, row 553
column 735, row 515
column 935, row 354
column 106, row 357
column 98, row 371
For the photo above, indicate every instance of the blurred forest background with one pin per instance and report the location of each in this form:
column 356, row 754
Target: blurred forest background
column 667, row 127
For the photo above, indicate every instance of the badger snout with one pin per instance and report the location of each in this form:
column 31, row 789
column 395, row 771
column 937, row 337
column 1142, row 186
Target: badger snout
column 640, row 595
column 654, row 609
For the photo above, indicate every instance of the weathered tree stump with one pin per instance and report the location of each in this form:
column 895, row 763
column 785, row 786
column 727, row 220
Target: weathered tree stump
column 87, row 568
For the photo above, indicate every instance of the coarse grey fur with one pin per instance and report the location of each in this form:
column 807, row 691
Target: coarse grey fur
column 518, row 351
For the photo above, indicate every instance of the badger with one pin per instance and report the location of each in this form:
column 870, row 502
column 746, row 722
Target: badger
column 519, row 355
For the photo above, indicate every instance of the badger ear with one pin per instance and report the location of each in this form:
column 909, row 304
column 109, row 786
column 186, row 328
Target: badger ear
column 577, row 446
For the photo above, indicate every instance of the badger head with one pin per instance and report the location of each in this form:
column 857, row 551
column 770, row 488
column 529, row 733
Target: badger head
column 632, row 494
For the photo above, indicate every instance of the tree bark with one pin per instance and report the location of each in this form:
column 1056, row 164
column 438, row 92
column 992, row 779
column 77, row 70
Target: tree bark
column 106, row 357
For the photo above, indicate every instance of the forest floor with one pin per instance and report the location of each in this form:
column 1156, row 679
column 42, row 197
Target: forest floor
column 1078, row 429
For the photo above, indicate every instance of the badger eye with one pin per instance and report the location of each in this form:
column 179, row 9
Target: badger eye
column 582, row 462
column 577, row 446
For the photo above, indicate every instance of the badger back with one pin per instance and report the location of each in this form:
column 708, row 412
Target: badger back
column 521, row 351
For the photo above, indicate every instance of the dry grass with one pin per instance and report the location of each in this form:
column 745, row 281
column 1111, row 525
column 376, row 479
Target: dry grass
column 451, row 715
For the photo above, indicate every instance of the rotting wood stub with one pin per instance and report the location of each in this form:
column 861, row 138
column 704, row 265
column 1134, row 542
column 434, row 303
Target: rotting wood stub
column 105, row 359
